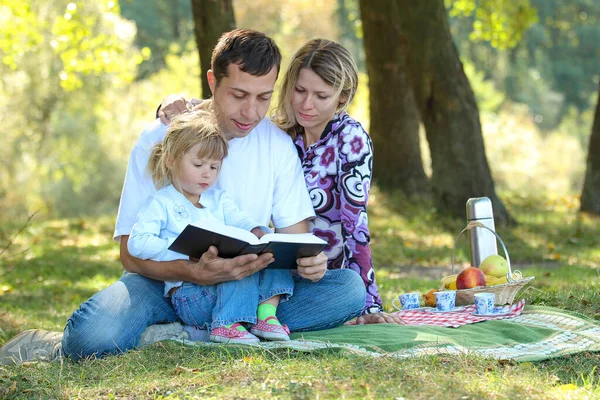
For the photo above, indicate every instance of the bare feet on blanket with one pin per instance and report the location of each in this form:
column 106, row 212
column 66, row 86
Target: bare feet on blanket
column 379, row 318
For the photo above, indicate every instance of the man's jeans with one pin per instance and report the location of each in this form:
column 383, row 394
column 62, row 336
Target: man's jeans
column 113, row 320
column 230, row 302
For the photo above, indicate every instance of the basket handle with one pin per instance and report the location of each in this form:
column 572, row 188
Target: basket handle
column 474, row 224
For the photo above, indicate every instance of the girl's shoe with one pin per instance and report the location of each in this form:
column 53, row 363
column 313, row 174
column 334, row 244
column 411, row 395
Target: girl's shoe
column 222, row 334
column 270, row 331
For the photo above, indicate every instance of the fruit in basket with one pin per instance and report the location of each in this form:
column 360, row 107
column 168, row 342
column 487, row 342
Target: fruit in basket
column 448, row 281
column 494, row 265
column 470, row 277
column 430, row 298
column 490, row 280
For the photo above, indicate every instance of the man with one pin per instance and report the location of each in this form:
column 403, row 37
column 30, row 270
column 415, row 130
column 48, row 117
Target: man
column 263, row 175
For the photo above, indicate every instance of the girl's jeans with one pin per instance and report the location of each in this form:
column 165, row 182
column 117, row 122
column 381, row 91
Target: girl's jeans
column 113, row 320
column 230, row 302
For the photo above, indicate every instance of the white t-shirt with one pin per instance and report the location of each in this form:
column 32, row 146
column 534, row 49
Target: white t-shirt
column 262, row 174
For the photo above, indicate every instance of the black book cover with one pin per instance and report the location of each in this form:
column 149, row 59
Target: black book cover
column 194, row 241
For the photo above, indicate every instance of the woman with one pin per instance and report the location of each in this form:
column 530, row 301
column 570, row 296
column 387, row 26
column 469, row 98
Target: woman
column 337, row 157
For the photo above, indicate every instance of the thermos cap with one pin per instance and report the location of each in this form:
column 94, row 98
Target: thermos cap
column 479, row 208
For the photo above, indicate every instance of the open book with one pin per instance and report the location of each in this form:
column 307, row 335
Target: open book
column 195, row 240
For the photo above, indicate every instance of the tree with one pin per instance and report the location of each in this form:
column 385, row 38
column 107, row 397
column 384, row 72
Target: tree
column 590, row 195
column 211, row 19
column 448, row 110
column 394, row 115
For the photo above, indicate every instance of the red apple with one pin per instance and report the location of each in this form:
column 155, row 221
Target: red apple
column 469, row 278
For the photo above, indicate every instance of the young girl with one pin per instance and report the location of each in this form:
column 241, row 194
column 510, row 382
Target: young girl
column 184, row 167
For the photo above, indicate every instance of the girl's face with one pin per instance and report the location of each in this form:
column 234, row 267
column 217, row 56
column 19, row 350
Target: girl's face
column 314, row 102
column 193, row 175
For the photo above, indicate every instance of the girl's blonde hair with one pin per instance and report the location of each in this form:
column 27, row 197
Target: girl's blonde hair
column 332, row 63
column 185, row 131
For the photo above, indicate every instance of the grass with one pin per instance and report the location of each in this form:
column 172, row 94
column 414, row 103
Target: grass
column 53, row 266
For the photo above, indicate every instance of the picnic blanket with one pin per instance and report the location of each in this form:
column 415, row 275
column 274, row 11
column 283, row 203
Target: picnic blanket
column 538, row 333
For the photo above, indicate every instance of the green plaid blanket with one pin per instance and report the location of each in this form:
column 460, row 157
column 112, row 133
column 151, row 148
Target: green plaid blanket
column 539, row 333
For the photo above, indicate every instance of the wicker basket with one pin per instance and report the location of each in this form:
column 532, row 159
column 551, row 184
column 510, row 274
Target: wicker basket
column 505, row 293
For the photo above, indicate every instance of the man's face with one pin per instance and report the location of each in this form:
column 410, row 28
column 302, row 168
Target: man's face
column 242, row 99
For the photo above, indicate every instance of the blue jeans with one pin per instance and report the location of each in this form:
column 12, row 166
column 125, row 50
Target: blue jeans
column 113, row 320
column 230, row 302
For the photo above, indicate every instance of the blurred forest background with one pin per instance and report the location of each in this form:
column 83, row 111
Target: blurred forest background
column 81, row 79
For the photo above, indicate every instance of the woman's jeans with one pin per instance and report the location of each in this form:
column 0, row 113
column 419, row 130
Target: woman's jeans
column 230, row 302
column 113, row 320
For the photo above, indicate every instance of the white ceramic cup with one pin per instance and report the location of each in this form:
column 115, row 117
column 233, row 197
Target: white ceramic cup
column 407, row 301
column 484, row 303
column 445, row 300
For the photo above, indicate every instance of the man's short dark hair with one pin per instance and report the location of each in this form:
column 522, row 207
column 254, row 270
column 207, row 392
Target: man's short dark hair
column 253, row 51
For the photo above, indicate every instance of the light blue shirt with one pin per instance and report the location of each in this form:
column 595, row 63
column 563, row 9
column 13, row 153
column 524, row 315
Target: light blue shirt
column 169, row 212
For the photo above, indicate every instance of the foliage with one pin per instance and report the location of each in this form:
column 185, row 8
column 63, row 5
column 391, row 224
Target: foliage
column 488, row 98
column 290, row 24
column 552, row 242
column 74, row 51
column 566, row 43
column 350, row 26
column 523, row 160
column 164, row 27
column 501, row 23
column 553, row 64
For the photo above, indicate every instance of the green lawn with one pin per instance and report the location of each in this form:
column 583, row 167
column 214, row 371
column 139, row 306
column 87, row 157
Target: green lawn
column 52, row 266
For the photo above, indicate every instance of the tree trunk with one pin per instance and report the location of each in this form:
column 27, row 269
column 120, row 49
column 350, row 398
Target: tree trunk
column 394, row 115
column 447, row 107
column 211, row 19
column 590, row 195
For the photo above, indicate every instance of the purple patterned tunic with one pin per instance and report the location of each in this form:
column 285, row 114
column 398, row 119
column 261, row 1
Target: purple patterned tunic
column 337, row 170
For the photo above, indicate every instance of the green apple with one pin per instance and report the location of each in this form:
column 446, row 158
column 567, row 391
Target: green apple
column 494, row 265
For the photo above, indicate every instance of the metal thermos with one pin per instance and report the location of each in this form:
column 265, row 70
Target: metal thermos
column 483, row 242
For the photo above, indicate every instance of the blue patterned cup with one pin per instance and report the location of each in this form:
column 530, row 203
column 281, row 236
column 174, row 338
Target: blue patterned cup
column 484, row 303
column 445, row 300
column 407, row 301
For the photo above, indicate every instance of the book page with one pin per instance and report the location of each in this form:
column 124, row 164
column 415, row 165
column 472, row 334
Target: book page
column 291, row 238
column 227, row 230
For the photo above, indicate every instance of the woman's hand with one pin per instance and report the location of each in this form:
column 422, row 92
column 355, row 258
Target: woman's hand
column 379, row 318
column 170, row 107
column 313, row 268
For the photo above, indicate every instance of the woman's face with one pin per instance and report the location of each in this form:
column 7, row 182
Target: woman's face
column 314, row 102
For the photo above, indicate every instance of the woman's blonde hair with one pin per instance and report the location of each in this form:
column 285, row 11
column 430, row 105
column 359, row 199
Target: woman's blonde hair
column 186, row 131
column 332, row 63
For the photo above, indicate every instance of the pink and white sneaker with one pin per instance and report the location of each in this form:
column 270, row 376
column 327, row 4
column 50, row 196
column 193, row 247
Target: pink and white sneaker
column 268, row 331
column 232, row 335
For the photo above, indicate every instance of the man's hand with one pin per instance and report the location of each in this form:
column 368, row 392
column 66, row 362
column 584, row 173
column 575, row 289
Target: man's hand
column 212, row 269
column 313, row 268
column 379, row 318
column 172, row 106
